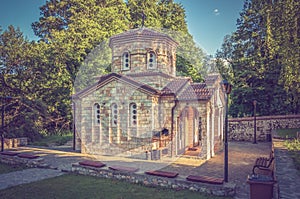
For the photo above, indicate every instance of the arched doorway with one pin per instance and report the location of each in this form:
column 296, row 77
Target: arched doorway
column 188, row 131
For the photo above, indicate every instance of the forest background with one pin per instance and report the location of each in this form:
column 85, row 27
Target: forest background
column 261, row 59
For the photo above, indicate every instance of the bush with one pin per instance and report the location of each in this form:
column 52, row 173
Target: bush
column 53, row 140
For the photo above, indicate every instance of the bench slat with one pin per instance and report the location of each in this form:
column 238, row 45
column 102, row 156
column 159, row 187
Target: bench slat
column 263, row 162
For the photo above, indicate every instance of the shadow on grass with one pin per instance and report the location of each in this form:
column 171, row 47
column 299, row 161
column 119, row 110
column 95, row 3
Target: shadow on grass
column 78, row 186
column 5, row 168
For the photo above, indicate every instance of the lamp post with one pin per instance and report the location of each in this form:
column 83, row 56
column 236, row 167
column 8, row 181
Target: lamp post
column 227, row 88
column 254, row 115
column 74, row 126
column 2, row 120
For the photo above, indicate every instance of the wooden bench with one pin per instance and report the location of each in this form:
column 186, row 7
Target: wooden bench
column 122, row 168
column 91, row 163
column 27, row 156
column 263, row 163
column 9, row 153
column 205, row 179
column 162, row 174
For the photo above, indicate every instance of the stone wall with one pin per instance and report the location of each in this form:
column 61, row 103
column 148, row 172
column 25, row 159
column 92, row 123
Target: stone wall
column 227, row 189
column 14, row 142
column 15, row 160
column 242, row 129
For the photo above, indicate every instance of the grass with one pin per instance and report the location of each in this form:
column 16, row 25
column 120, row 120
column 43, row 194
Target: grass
column 292, row 144
column 288, row 133
column 78, row 186
column 5, row 168
column 294, row 149
column 53, row 140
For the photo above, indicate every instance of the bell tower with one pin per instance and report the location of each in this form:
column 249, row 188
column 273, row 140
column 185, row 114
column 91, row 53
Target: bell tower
column 143, row 50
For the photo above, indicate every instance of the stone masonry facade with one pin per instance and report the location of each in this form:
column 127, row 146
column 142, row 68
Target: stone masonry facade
column 142, row 107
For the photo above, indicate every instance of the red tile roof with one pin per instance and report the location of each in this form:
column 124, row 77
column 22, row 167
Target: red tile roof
column 141, row 33
column 103, row 80
column 180, row 87
column 174, row 86
column 211, row 78
column 150, row 73
column 196, row 91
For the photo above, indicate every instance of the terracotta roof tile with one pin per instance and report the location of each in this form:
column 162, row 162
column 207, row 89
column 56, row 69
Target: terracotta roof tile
column 141, row 33
column 211, row 78
column 107, row 78
column 147, row 74
column 196, row 91
column 174, row 86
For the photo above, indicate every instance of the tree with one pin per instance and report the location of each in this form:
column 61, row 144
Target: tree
column 75, row 27
column 256, row 55
column 37, row 87
column 40, row 75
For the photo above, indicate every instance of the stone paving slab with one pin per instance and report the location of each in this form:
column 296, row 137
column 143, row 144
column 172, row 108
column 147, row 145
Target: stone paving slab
column 26, row 176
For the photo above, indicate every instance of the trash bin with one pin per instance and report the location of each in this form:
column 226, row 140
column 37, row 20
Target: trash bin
column 268, row 137
column 261, row 186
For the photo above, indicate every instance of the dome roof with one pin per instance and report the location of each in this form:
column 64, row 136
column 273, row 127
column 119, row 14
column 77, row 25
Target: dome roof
column 141, row 33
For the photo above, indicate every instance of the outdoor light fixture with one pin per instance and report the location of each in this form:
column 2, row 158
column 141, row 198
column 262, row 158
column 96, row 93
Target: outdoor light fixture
column 227, row 89
column 74, row 125
column 226, row 86
column 254, row 115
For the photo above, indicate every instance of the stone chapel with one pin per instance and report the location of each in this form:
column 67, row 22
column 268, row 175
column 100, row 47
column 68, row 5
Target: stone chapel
column 143, row 110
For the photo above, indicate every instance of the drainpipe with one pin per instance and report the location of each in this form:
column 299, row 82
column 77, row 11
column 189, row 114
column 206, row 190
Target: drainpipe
column 172, row 125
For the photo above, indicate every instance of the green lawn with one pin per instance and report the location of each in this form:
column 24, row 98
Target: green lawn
column 292, row 144
column 288, row 133
column 5, row 168
column 77, row 186
column 53, row 140
column 294, row 149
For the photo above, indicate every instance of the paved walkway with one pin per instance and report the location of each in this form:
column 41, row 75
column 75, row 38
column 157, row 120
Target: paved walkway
column 287, row 175
column 241, row 158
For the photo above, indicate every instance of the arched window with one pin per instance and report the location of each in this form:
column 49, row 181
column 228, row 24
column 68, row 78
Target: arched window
column 97, row 113
column 114, row 114
column 133, row 114
column 151, row 60
column 126, row 61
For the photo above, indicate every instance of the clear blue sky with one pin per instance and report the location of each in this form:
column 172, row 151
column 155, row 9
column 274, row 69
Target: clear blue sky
column 208, row 20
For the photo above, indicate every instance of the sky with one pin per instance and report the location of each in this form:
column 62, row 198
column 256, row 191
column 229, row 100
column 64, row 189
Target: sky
column 208, row 20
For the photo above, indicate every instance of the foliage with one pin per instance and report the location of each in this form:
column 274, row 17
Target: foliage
column 77, row 186
column 37, row 86
column 263, row 56
column 53, row 140
column 287, row 133
column 294, row 148
column 40, row 76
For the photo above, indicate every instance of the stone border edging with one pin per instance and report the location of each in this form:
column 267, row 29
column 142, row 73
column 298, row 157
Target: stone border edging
column 227, row 189
column 31, row 163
